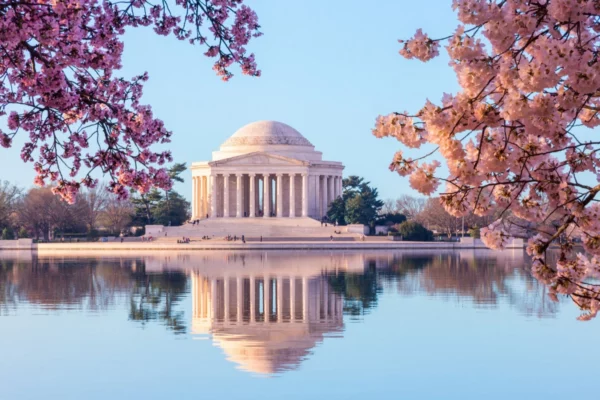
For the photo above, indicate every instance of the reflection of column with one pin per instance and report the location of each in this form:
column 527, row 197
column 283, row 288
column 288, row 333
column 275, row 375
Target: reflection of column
column 280, row 195
column 252, row 298
column 304, row 299
column 252, row 195
column 279, row 299
column 292, row 298
column 226, row 299
column 213, row 298
column 239, row 299
column 292, row 195
column 225, row 195
column 326, row 300
column 305, row 195
column 267, row 298
column 213, row 196
column 266, row 196
column 238, row 197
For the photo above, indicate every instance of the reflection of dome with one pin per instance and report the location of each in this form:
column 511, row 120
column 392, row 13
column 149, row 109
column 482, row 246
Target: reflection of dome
column 267, row 351
column 266, row 133
column 302, row 312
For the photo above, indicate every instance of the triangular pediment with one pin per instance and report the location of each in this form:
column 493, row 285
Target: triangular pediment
column 258, row 158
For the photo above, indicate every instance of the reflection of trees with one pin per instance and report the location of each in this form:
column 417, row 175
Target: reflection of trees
column 94, row 284
column 153, row 297
column 360, row 290
column 483, row 279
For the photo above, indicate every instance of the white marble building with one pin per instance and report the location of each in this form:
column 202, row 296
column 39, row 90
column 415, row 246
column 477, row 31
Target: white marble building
column 265, row 169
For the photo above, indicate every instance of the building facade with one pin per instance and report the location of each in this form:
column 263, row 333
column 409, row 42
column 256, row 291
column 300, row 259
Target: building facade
column 265, row 169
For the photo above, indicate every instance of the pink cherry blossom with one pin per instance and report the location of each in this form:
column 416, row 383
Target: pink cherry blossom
column 58, row 85
column 517, row 138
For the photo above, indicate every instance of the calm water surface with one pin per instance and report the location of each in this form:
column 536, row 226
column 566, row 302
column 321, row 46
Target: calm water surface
column 288, row 325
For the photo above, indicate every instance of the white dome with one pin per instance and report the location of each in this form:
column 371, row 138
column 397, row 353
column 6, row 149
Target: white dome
column 265, row 133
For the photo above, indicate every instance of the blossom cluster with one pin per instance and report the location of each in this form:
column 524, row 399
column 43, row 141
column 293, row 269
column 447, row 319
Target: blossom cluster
column 518, row 136
column 58, row 85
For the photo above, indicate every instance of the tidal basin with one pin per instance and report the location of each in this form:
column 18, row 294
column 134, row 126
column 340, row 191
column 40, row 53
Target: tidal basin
column 287, row 324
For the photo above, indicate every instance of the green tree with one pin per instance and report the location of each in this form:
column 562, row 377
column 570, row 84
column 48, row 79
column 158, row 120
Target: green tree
column 413, row 231
column 359, row 203
column 174, row 211
column 7, row 234
column 23, row 234
column 337, row 211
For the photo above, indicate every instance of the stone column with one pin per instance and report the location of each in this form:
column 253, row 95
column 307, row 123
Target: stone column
column 202, row 193
column 213, row 196
column 280, row 195
column 194, row 197
column 292, row 195
column 305, row 195
column 252, row 196
column 225, row 195
column 204, row 196
column 266, row 196
column 200, row 206
column 340, row 186
column 335, row 187
column 238, row 197
column 198, row 198
column 330, row 193
column 318, row 197
column 324, row 196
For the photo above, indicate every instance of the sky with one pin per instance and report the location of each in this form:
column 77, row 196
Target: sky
column 329, row 68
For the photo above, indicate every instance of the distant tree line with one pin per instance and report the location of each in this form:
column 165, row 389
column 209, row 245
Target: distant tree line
column 39, row 214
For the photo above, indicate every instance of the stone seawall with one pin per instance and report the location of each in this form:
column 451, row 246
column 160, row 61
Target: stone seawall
column 224, row 245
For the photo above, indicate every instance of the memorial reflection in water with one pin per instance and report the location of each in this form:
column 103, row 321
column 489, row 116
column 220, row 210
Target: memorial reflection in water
column 267, row 311
column 266, row 324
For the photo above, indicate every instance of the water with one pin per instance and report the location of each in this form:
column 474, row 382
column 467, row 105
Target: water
column 293, row 325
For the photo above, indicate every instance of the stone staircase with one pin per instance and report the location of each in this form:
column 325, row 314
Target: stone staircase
column 306, row 228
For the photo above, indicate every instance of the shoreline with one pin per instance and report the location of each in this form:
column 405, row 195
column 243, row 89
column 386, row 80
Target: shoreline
column 233, row 246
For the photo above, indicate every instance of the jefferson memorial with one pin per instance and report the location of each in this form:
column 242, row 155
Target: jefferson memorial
column 265, row 169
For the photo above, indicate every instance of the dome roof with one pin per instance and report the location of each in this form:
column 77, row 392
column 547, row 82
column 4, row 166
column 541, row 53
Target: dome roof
column 262, row 133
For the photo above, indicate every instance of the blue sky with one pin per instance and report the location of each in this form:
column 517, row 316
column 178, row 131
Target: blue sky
column 329, row 68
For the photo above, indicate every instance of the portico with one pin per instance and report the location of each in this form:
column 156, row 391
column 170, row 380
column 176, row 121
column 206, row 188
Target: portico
column 266, row 169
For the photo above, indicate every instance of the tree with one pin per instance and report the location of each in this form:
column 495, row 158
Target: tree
column 58, row 86
column 116, row 215
column 40, row 212
column 518, row 135
column 172, row 212
column 435, row 217
column 9, row 196
column 410, row 206
column 359, row 203
column 413, row 231
column 337, row 211
column 92, row 202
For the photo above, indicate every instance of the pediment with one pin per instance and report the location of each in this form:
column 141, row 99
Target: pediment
column 258, row 158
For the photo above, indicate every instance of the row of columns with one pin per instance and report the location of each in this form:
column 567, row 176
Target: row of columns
column 213, row 302
column 204, row 201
